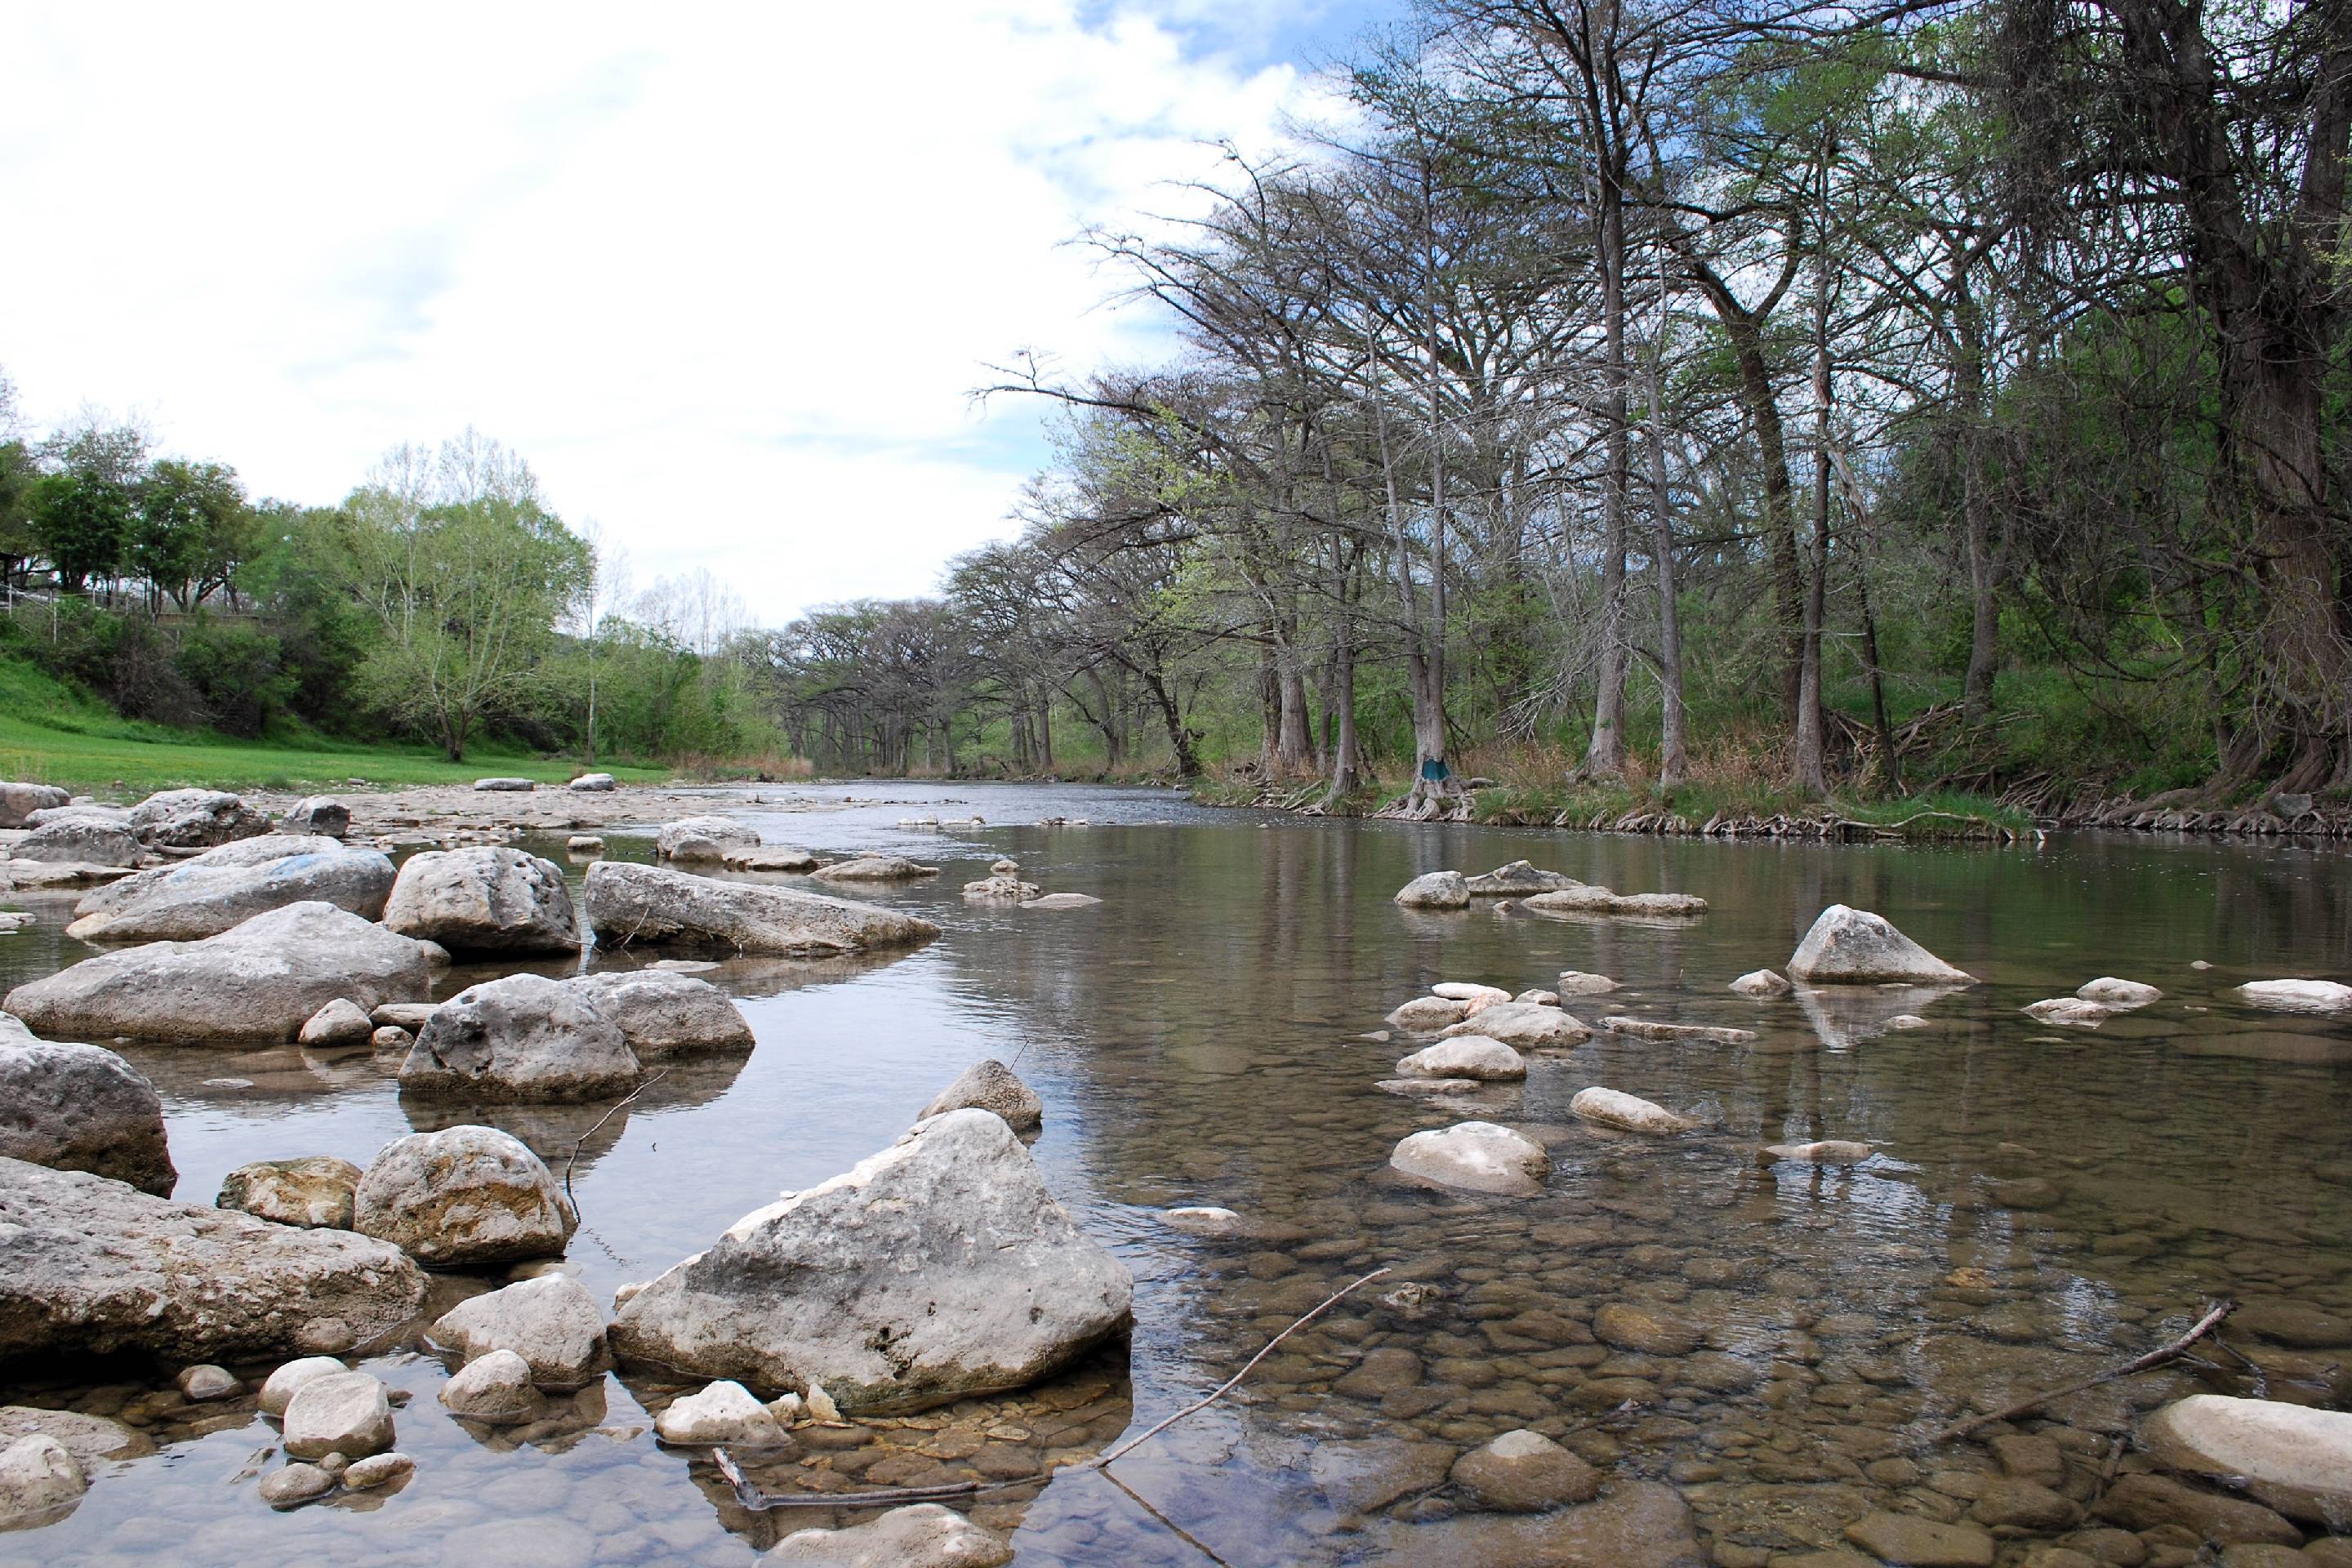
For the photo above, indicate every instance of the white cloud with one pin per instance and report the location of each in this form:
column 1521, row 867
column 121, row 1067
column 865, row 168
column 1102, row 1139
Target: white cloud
column 724, row 275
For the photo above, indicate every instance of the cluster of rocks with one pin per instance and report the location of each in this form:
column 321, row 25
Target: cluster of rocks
column 1541, row 892
column 1002, row 885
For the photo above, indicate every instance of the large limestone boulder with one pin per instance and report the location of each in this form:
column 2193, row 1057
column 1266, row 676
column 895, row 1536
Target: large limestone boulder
column 19, row 801
column 1435, row 891
column 1428, row 1015
column 1472, row 1057
column 2295, row 1459
column 226, row 887
column 1528, row 1026
column 875, row 868
column 664, row 1015
column 462, row 1196
column 705, row 839
column 1626, row 1112
column 1477, row 1157
column 1518, row 880
column 989, row 1085
column 506, row 785
column 1854, row 947
column 592, row 784
column 629, row 904
column 525, row 1038
column 939, row 1269
column 79, row 1108
column 920, row 1535
column 91, row 1265
column 313, row 1191
column 81, row 841
column 484, row 899
column 2281, row 995
column 552, row 1322
column 196, row 819
column 257, row 982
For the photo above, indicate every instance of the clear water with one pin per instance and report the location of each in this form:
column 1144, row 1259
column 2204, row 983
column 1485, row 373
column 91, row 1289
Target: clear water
column 2046, row 1200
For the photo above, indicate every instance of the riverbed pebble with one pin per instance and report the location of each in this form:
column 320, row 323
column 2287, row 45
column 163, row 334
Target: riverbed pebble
column 291, row 1485
column 1524, row 1472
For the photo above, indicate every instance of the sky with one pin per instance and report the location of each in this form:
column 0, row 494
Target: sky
column 726, row 276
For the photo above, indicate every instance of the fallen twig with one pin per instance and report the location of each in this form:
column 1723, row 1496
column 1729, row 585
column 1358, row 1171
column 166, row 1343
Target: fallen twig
column 759, row 1500
column 578, row 1144
column 2214, row 1312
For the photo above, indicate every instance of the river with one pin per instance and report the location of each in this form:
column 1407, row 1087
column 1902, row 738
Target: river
column 2045, row 1202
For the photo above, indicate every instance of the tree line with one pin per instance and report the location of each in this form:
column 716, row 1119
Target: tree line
column 443, row 601
column 1950, row 395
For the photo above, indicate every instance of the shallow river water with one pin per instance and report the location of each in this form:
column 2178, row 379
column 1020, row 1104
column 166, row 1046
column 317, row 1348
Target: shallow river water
column 2045, row 1201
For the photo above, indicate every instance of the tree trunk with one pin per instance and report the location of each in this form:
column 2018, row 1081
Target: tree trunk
column 1811, row 771
column 1604, row 755
column 1673, row 758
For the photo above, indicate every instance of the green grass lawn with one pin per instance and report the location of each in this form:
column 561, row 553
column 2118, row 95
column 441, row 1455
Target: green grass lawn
column 52, row 734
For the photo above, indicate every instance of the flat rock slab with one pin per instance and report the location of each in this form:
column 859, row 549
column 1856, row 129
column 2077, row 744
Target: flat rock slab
column 1915, row 1542
column 87, row 1264
column 630, row 904
column 1587, row 900
column 259, row 982
column 1640, row 1524
column 1652, row 1029
column 2291, row 1457
column 224, row 888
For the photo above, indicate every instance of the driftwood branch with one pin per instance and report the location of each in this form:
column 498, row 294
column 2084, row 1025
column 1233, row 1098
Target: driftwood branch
column 579, row 1142
column 758, row 1500
column 2215, row 1312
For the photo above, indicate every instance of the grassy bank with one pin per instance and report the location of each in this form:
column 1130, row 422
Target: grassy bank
column 50, row 733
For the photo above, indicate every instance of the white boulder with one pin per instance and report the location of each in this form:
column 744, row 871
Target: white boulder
column 1854, row 947
column 1477, row 1157
column 1762, row 984
column 2118, row 994
column 1435, row 891
column 2299, row 995
column 19, row 801
column 463, row 1197
column 484, row 899
column 629, row 904
column 551, row 1322
column 1467, row 1056
column 40, row 1482
column 2293, row 1457
column 989, row 1085
column 661, row 1014
column 346, row 1412
column 80, row 1108
column 704, row 838
column 525, row 1038
column 1626, row 1112
column 2069, row 1012
column 1529, row 1026
column 195, row 819
column 224, row 888
column 723, row 1412
column 920, row 1535
column 939, row 1269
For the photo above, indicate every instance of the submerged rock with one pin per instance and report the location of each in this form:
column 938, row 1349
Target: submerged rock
column 875, row 868
column 2291, row 1457
column 80, row 1108
column 2298, row 996
column 2118, row 994
column 1589, row 900
column 1061, row 902
column 921, row 1535
column 258, row 981
column 1477, row 1157
column 1000, row 889
column 1528, row 1026
column 1435, row 891
column 1854, row 947
column 701, row 838
column 1627, row 1112
column 1525, row 1472
column 1825, row 1151
column 2069, row 1012
column 196, row 819
column 525, row 1038
column 484, row 899
column 552, row 1322
column 1762, row 984
column 291, row 1485
column 1652, row 1029
column 1637, row 1524
column 223, row 888
column 629, row 904
column 665, row 1014
column 1467, row 1056
column 2151, row 1502
column 1908, row 1538
column 88, row 1264
column 770, row 857
column 313, row 1192
column 939, row 1269
column 462, row 1196
column 1577, row 983
column 989, row 1085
